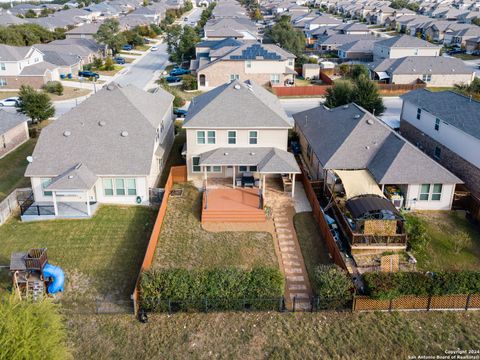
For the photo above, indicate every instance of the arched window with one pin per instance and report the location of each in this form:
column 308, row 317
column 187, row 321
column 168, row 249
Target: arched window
column 202, row 80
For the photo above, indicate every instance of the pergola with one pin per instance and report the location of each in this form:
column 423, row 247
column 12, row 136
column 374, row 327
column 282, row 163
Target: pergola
column 267, row 160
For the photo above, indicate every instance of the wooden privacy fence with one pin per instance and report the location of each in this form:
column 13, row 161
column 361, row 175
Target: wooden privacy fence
column 11, row 203
column 314, row 90
column 409, row 303
column 177, row 174
column 322, row 223
column 386, row 89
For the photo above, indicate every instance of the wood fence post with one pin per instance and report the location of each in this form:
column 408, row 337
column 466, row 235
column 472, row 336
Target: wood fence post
column 206, row 305
column 294, row 301
column 429, row 302
column 390, row 305
column 169, row 307
column 468, row 302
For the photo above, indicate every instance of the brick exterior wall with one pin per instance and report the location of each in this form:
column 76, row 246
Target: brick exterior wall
column 466, row 171
column 14, row 82
column 13, row 138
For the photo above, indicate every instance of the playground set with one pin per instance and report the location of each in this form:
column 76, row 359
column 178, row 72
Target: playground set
column 33, row 276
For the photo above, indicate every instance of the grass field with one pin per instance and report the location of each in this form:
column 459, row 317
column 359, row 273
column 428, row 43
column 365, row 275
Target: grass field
column 362, row 336
column 440, row 252
column 314, row 249
column 101, row 256
column 12, row 168
column 70, row 93
column 184, row 244
column 116, row 69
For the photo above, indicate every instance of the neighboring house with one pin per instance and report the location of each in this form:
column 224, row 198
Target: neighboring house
column 13, row 131
column 235, row 129
column 66, row 63
column 350, row 139
column 86, row 49
column 109, row 149
column 353, row 29
column 7, row 19
column 435, row 71
column 237, row 28
column 459, row 37
column 84, row 31
column 446, row 126
column 24, row 65
column 472, row 46
column 402, row 46
column 334, row 42
column 262, row 63
column 359, row 50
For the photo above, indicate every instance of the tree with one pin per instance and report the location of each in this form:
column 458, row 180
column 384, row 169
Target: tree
column 461, row 240
column 417, row 233
column 257, row 15
column 367, row 96
column 184, row 49
column 340, row 93
column 35, row 104
column 97, row 63
column 189, row 82
column 108, row 34
column 332, row 285
column 30, row 14
column 289, row 38
column 109, row 65
column 358, row 70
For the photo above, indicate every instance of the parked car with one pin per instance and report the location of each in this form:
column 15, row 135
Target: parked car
column 127, row 47
column 146, row 41
column 88, row 74
column 119, row 60
column 154, row 48
column 455, row 51
column 173, row 79
column 179, row 112
column 11, row 101
column 179, row 71
column 185, row 19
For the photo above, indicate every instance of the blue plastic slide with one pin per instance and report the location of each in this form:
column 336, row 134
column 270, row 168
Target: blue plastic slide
column 56, row 273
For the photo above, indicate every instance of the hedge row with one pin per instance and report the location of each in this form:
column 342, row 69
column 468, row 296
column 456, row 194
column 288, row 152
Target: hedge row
column 392, row 285
column 218, row 289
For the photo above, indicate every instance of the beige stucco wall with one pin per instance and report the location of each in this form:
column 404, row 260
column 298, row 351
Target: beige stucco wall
column 383, row 52
column 13, row 138
column 437, row 80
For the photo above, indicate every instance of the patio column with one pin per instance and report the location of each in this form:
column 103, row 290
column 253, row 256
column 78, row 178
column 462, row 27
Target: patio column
column 264, row 184
column 55, row 207
column 234, row 182
column 89, row 212
column 205, row 175
column 293, row 185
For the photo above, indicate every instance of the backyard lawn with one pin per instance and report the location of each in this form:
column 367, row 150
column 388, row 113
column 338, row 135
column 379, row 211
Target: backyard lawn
column 274, row 335
column 101, row 256
column 314, row 249
column 184, row 244
column 12, row 168
column 441, row 252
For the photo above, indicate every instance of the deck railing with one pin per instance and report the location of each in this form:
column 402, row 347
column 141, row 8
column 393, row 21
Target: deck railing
column 36, row 259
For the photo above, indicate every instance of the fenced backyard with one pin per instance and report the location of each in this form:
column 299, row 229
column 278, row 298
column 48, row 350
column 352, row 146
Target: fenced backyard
column 12, row 203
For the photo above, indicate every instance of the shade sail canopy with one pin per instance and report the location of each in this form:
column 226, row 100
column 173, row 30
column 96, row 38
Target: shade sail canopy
column 358, row 182
column 382, row 75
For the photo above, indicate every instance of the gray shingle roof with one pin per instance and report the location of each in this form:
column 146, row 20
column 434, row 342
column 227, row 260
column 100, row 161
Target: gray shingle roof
column 406, row 41
column 13, row 53
column 38, row 69
column 9, row 120
column 60, row 59
column 358, row 46
column 268, row 159
column 112, row 133
column 219, row 108
column 78, row 177
column 422, row 65
column 455, row 109
column 257, row 51
column 350, row 138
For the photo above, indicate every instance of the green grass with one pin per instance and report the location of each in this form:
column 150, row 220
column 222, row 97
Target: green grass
column 184, row 244
column 175, row 157
column 274, row 335
column 440, row 88
column 12, row 168
column 314, row 249
column 101, row 256
column 116, row 68
column 142, row 47
column 440, row 252
column 466, row 56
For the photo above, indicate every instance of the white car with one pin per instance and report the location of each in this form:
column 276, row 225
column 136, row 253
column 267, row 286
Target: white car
column 12, row 101
column 154, row 48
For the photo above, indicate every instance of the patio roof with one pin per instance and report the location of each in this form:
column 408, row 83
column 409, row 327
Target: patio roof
column 267, row 159
column 78, row 177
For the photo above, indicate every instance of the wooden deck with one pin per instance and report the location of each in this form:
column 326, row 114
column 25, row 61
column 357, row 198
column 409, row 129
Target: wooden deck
column 232, row 205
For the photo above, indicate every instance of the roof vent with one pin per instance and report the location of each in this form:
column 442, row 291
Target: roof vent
column 225, row 153
column 236, row 86
column 357, row 116
column 367, row 147
column 110, row 87
column 252, row 153
column 102, row 123
column 345, row 106
column 67, row 133
column 370, row 121
column 124, row 133
column 70, row 176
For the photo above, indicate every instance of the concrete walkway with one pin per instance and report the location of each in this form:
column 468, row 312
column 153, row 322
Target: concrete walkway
column 297, row 284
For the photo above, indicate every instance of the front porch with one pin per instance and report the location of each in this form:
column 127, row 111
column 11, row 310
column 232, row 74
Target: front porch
column 38, row 211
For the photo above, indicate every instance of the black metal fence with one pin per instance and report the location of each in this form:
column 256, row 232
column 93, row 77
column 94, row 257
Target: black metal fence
column 279, row 304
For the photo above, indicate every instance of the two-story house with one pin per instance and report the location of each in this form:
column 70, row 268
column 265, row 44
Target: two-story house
column 446, row 125
column 230, row 59
column 239, row 132
column 402, row 46
column 109, row 149
column 24, row 65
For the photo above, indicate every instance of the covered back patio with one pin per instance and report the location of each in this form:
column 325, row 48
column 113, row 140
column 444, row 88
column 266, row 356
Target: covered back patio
column 239, row 195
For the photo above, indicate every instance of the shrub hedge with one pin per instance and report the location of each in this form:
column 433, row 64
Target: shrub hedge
column 218, row 289
column 54, row 87
column 392, row 285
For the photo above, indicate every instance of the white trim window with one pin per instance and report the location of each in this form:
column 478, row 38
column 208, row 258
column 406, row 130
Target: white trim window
column 419, row 113
column 196, row 168
column 45, row 183
column 275, row 78
column 108, row 187
column 3, row 82
column 253, row 137
column 119, row 186
column 248, row 64
column 213, row 169
column 427, row 77
column 243, row 168
column 234, row 77
column 431, row 192
column 232, row 137
column 437, row 124
column 211, row 137
column 2, row 66
column 131, row 187
column 201, row 137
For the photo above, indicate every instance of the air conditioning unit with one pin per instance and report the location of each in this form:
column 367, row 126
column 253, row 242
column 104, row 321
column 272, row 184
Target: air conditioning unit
column 397, row 200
